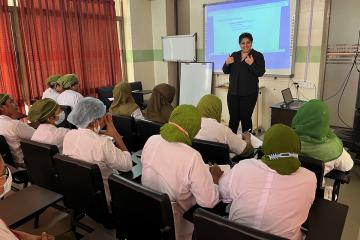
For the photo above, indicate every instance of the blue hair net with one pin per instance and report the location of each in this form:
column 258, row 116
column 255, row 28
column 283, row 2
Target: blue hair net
column 87, row 110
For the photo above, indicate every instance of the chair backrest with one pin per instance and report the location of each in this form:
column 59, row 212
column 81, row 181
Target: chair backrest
column 65, row 123
column 5, row 152
column 146, row 129
column 317, row 167
column 40, row 164
column 83, row 187
column 139, row 98
column 212, row 152
column 125, row 125
column 211, row 226
column 104, row 94
column 140, row 212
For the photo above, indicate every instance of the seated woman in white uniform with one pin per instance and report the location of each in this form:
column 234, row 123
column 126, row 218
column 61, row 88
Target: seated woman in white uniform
column 48, row 113
column 88, row 145
column 71, row 94
column 272, row 194
column 124, row 103
column 210, row 108
column 171, row 166
column 13, row 129
column 51, row 92
column 312, row 124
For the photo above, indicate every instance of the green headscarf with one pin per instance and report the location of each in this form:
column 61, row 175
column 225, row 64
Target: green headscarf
column 42, row 110
column 51, row 81
column 210, row 106
column 281, row 139
column 312, row 124
column 3, row 98
column 183, row 125
column 159, row 105
column 124, row 103
column 68, row 80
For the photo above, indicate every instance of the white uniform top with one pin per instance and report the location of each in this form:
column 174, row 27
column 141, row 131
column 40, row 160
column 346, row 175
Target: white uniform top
column 5, row 233
column 137, row 114
column 265, row 200
column 69, row 98
column 211, row 130
column 13, row 130
column 49, row 134
column 86, row 145
column 50, row 93
column 179, row 171
column 343, row 163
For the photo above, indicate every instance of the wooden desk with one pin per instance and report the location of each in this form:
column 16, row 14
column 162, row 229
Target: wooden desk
column 26, row 204
column 326, row 220
column 281, row 114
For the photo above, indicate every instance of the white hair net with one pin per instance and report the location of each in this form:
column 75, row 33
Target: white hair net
column 87, row 110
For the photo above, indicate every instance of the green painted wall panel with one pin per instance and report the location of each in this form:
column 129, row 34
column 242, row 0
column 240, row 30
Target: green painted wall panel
column 156, row 55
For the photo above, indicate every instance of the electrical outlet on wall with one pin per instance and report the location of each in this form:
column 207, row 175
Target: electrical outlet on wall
column 305, row 84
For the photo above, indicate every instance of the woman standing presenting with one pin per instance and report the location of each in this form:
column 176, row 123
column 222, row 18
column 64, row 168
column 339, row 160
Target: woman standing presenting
column 245, row 67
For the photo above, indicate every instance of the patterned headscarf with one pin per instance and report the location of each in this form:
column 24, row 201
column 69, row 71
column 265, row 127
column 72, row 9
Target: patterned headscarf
column 281, row 146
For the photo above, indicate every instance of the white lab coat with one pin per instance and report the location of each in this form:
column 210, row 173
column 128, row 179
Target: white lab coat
column 179, row 171
column 265, row 200
column 343, row 163
column 213, row 131
column 50, row 93
column 49, row 134
column 13, row 130
column 69, row 98
column 86, row 145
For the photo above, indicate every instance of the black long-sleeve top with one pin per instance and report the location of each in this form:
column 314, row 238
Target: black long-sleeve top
column 244, row 78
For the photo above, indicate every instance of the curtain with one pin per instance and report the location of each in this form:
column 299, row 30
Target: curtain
column 70, row 36
column 9, row 81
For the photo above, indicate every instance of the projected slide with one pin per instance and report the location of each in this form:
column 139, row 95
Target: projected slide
column 270, row 23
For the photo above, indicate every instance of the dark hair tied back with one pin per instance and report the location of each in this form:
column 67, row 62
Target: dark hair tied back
column 245, row 35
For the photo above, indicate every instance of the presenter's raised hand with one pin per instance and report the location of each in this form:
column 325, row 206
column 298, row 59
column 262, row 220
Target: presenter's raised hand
column 229, row 60
column 249, row 59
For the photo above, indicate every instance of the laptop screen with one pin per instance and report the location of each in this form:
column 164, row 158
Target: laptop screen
column 288, row 98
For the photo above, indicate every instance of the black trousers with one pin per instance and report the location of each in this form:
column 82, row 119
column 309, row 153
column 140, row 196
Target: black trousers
column 241, row 109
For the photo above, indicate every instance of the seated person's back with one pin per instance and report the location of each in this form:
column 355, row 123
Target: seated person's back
column 71, row 94
column 312, row 124
column 48, row 113
column 171, row 166
column 88, row 145
column 51, row 92
column 210, row 108
column 159, row 106
column 273, row 194
column 124, row 103
column 13, row 129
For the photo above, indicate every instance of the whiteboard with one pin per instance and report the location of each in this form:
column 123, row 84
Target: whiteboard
column 179, row 48
column 195, row 81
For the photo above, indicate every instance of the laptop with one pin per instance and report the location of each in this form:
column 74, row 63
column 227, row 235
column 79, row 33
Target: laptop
column 289, row 101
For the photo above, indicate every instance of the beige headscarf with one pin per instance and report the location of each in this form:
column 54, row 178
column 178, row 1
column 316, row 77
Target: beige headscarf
column 124, row 103
column 159, row 107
